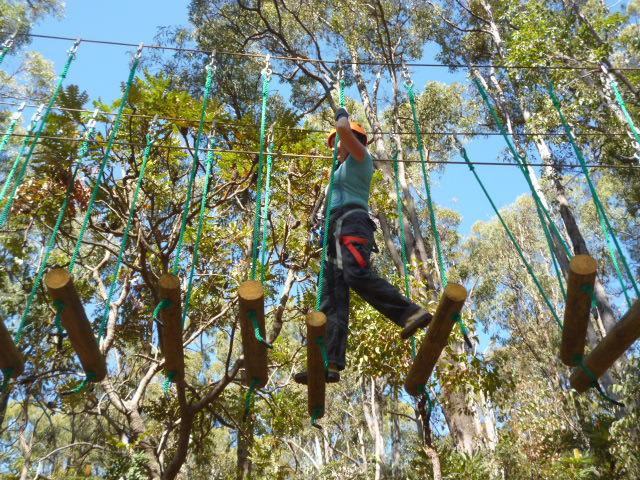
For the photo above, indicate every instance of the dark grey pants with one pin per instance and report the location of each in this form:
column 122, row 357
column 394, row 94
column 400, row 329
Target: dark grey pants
column 348, row 267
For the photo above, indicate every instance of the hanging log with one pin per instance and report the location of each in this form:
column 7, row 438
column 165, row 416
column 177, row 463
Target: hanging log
column 582, row 277
column 434, row 342
column 171, row 326
column 10, row 356
column 316, row 332
column 60, row 286
column 610, row 348
column 251, row 300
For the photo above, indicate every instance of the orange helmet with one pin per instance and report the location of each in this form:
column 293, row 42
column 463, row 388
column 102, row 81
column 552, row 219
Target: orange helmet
column 355, row 127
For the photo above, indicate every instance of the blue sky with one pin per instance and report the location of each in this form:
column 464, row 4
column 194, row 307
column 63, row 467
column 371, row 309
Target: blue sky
column 100, row 69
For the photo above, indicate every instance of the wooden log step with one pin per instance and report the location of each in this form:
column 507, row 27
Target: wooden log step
column 610, row 348
column 251, row 300
column 582, row 278
column 434, row 342
column 60, row 286
column 171, row 326
column 10, row 356
column 316, row 329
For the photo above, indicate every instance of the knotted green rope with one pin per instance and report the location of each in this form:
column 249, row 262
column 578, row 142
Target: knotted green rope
column 594, row 380
column 403, row 240
column 316, row 414
column 162, row 304
column 196, row 247
column 256, row 328
column 194, row 170
column 125, row 235
column 265, row 214
column 171, row 376
column 14, row 120
column 23, row 148
column 531, row 272
column 82, row 152
column 323, row 351
column 105, row 159
column 543, row 214
column 442, row 268
column 7, row 375
column 605, row 224
column 4, row 216
column 423, row 390
column 263, row 133
column 327, row 217
column 623, row 106
column 59, row 307
column 89, row 377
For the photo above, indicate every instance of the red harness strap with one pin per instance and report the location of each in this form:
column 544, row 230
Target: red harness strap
column 348, row 241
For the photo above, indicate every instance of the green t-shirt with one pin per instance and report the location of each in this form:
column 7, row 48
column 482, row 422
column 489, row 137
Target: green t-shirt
column 352, row 182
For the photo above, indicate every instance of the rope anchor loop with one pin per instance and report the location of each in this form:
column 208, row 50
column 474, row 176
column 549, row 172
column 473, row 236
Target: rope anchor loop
column 266, row 71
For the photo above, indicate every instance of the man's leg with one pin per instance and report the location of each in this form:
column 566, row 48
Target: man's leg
column 335, row 305
column 356, row 243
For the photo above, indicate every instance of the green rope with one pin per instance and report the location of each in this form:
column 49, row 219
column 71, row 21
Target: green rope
column 594, row 380
column 588, row 289
column 316, row 415
column 403, row 241
column 89, row 377
column 103, row 163
column 263, row 132
column 162, row 304
column 59, row 306
column 513, row 239
column 249, row 396
column 5, row 49
column 7, row 375
column 323, row 351
column 623, row 106
column 432, row 213
column 265, row 214
column 4, row 216
column 9, row 132
column 423, row 390
column 82, row 152
column 6, row 46
column 196, row 248
column 125, row 235
column 327, row 219
column 166, row 385
column 605, row 224
column 542, row 211
column 256, row 328
column 23, row 148
column 194, row 170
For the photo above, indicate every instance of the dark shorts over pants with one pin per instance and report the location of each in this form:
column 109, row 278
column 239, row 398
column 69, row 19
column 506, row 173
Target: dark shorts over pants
column 348, row 267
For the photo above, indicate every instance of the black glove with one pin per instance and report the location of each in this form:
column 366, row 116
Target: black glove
column 341, row 112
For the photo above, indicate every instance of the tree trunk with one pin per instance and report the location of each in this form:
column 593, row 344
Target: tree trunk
column 245, row 442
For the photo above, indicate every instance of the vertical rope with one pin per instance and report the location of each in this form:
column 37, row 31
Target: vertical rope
column 125, row 235
column 23, row 147
column 6, row 46
column 196, row 248
column 327, row 216
column 4, row 216
column 265, row 214
column 442, row 268
column 263, row 131
column 605, row 224
column 105, row 159
column 14, row 120
column 82, row 152
column 194, row 169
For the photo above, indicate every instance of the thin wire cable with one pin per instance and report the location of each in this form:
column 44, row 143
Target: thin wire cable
column 216, row 123
column 327, row 157
column 333, row 62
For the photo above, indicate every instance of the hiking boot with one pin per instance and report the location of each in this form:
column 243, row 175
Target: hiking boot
column 420, row 319
column 331, row 376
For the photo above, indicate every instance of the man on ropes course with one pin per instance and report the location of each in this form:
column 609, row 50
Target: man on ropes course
column 349, row 248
